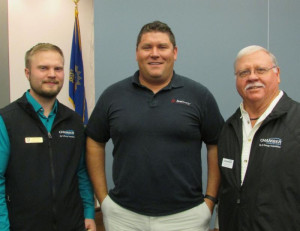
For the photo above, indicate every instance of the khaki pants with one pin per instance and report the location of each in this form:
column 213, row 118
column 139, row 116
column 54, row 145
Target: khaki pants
column 117, row 218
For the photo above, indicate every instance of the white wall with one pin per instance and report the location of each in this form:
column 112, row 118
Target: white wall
column 33, row 21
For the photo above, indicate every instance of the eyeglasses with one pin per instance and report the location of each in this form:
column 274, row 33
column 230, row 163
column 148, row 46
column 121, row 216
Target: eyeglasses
column 258, row 71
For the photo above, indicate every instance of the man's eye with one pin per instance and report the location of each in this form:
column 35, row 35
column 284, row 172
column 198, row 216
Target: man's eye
column 261, row 70
column 163, row 47
column 244, row 73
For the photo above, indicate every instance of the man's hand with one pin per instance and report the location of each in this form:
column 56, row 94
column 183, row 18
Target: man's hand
column 90, row 224
column 209, row 204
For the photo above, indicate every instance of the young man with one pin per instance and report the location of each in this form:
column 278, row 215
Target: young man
column 157, row 121
column 43, row 180
column 259, row 151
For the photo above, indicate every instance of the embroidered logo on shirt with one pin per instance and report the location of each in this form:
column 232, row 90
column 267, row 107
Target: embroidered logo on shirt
column 180, row 102
column 270, row 142
column 67, row 134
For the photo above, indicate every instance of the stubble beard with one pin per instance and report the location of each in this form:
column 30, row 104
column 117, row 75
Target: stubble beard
column 50, row 94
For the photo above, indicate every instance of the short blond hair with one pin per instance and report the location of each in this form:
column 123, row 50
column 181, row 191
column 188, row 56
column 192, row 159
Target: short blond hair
column 40, row 47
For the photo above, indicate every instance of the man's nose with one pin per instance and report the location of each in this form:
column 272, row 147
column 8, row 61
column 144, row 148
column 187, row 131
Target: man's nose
column 253, row 75
column 51, row 72
column 154, row 52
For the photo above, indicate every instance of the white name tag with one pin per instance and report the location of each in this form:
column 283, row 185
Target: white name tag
column 227, row 163
column 33, row 140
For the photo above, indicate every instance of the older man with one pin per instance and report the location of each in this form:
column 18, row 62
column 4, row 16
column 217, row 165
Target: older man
column 259, row 151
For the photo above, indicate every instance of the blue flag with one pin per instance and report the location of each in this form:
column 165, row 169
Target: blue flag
column 76, row 78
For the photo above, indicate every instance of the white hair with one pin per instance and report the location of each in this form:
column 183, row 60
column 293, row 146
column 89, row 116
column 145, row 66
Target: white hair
column 251, row 49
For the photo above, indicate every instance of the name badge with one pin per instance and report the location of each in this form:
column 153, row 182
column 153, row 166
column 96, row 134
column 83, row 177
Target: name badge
column 33, row 140
column 227, row 163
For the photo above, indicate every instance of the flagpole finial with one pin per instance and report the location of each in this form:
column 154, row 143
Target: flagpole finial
column 76, row 6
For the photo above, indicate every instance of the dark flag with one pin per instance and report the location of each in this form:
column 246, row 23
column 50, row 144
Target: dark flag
column 76, row 78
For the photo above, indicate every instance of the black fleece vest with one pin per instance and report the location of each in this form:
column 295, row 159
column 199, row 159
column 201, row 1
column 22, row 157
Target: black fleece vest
column 41, row 178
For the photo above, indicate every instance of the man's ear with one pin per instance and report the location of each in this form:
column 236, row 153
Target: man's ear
column 27, row 73
column 278, row 74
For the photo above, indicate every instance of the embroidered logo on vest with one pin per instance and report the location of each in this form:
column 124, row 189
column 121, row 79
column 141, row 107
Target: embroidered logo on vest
column 67, row 134
column 270, row 142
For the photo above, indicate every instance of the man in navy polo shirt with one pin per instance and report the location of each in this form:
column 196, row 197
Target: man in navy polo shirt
column 157, row 121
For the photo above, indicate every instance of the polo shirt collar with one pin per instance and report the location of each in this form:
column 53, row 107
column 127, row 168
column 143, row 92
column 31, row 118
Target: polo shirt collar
column 37, row 107
column 176, row 81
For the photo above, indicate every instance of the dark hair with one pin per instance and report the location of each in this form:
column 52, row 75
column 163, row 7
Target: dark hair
column 156, row 26
column 40, row 47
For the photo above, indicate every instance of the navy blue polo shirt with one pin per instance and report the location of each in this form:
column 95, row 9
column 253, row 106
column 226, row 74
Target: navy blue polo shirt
column 157, row 142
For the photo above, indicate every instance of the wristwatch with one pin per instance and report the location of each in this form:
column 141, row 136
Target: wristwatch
column 213, row 199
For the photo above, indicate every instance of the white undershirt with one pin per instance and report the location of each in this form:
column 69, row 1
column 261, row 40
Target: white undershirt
column 249, row 132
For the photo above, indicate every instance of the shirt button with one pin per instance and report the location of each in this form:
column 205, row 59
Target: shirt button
column 249, row 140
column 153, row 103
column 245, row 161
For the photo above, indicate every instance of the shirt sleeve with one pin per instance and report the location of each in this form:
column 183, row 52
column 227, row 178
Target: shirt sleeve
column 4, row 156
column 212, row 120
column 86, row 189
column 98, row 126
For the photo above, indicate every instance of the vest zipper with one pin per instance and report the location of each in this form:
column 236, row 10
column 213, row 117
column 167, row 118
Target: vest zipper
column 54, row 210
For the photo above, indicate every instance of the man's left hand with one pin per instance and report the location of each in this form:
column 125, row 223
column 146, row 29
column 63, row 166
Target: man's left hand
column 210, row 204
column 90, row 224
